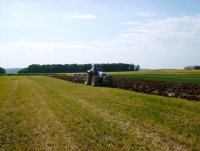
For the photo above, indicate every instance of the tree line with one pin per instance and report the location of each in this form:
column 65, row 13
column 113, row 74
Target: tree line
column 71, row 68
column 2, row 71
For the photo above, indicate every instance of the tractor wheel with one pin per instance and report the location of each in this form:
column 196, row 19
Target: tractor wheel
column 87, row 79
column 95, row 81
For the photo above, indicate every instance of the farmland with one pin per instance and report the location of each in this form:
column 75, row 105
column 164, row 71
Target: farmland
column 177, row 83
column 186, row 76
column 45, row 113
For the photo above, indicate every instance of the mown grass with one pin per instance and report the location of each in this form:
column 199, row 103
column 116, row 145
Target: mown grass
column 34, row 74
column 14, row 126
column 59, row 115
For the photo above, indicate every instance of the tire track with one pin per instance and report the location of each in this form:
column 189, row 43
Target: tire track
column 48, row 132
column 8, row 136
column 141, row 133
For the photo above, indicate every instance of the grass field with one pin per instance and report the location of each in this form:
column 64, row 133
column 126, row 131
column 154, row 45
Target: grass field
column 44, row 113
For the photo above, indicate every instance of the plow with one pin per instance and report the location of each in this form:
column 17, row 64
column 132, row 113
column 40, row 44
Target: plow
column 78, row 78
column 95, row 77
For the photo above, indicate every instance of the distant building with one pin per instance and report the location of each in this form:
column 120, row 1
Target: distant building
column 196, row 67
column 192, row 67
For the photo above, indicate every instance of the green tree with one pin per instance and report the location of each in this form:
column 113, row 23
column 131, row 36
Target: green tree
column 34, row 68
column 59, row 68
column 137, row 67
column 2, row 71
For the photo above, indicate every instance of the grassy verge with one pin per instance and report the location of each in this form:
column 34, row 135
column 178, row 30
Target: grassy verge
column 48, row 113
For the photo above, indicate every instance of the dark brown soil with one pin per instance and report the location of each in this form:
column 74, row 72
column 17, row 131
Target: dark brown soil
column 171, row 89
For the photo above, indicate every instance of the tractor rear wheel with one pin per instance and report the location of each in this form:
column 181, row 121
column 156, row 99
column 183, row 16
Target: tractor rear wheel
column 95, row 81
column 87, row 79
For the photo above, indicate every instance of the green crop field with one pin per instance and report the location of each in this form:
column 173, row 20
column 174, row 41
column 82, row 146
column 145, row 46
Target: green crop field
column 186, row 76
column 44, row 113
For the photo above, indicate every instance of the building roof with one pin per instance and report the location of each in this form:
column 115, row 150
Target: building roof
column 192, row 67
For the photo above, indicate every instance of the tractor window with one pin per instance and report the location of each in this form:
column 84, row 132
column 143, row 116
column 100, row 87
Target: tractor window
column 99, row 68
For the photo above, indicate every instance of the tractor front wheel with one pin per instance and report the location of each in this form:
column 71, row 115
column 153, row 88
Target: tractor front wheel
column 95, row 81
column 87, row 79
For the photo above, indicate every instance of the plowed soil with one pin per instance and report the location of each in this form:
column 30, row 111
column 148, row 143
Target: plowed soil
column 171, row 89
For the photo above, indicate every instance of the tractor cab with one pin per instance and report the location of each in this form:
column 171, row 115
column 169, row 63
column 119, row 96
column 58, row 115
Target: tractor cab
column 96, row 69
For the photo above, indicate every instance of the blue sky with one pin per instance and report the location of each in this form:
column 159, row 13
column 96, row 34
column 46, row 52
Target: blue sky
column 153, row 34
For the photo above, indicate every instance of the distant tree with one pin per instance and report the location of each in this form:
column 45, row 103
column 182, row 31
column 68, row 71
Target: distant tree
column 137, row 67
column 34, row 68
column 69, row 68
column 133, row 67
column 2, row 71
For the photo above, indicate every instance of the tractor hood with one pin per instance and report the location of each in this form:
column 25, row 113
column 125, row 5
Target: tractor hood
column 101, row 73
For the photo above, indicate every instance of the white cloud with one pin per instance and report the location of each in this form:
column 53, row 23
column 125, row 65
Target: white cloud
column 132, row 23
column 30, row 47
column 153, row 44
column 19, row 15
column 145, row 14
column 185, row 29
column 18, row 23
column 26, row 53
column 83, row 16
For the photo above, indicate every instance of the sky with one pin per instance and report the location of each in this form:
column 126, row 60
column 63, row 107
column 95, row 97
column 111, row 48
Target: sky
column 152, row 34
